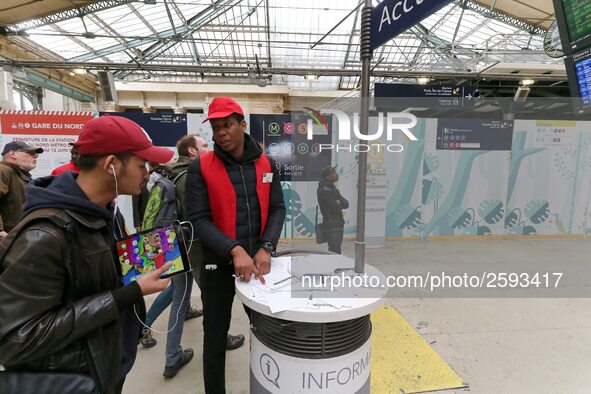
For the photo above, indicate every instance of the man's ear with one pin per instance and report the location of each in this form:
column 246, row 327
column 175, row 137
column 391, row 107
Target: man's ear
column 108, row 162
column 193, row 152
column 243, row 125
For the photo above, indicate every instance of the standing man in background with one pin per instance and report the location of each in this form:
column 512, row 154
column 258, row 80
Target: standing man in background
column 235, row 203
column 331, row 204
column 18, row 160
column 73, row 165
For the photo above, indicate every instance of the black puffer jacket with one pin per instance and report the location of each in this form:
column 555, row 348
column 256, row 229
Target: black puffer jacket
column 43, row 322
column 216, row 244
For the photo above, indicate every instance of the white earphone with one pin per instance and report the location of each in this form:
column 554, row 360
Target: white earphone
column 115, row 177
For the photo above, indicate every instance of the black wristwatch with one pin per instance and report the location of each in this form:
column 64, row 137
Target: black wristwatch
column 268, row 246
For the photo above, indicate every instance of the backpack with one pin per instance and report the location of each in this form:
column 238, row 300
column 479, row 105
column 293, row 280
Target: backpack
column 163, row 206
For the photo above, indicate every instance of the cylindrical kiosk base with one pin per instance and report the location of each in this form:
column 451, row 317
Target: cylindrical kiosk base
column 299, row 357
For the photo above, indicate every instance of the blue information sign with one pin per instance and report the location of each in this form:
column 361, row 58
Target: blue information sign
column 390, row 94
column 392, row 17
column 164, row 128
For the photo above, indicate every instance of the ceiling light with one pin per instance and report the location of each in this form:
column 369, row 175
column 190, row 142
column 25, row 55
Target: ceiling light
column 423, row 80
column 310, row 76
column 527, row 82
column 79, row 71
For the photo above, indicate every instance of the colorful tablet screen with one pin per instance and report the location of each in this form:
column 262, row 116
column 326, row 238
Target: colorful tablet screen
column 149, row 250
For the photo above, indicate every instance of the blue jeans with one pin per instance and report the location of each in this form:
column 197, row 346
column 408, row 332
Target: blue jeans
column 182, row 285
column 174, row 294
column 159, row 305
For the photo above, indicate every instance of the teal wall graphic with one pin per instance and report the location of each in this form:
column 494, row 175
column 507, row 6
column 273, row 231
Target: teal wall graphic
column 404, row 173
column 543, row 186
column 463, row 190
column 550, row 178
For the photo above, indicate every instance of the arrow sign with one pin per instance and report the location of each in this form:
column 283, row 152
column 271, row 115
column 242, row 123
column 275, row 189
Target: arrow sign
column 392, row 17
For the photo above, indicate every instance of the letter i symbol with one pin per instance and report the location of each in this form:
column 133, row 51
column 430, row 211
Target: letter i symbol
column 268, row 368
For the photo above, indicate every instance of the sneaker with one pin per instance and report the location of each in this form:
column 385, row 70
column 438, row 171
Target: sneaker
column 171, row 371
column 234, row 341
column 193, row 312
column 146, row 338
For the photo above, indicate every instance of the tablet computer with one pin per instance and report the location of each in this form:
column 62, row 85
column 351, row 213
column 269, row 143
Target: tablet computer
column 150, row 249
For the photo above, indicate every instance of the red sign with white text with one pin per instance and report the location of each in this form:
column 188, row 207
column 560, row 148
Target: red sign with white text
column 43, row 123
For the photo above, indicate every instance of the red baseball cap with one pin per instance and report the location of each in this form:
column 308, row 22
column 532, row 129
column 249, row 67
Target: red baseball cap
column 110, row 135
column 222, row 107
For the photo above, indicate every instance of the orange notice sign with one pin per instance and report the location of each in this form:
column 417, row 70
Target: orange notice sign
column 43, row 122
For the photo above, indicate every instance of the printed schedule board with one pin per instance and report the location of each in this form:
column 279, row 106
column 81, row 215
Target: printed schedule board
column 474, row 134
column 284, row 138
column 165, row 129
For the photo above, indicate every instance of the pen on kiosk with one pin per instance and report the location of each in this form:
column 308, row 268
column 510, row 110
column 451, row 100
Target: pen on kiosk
column 282, row 280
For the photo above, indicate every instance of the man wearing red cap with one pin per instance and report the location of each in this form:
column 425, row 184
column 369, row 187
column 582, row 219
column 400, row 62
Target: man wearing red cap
column 62, row 306
column 235, row 202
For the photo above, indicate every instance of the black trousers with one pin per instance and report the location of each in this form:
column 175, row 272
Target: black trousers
column 217, row 295
column 334, row 236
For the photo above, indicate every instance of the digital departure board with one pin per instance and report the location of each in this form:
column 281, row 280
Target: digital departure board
column 578, row 69
column 574, row 24
column 583, row 70
column 578, row 18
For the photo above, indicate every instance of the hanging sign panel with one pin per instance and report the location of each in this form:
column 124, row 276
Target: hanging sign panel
column 164, row 128
column 392, row 17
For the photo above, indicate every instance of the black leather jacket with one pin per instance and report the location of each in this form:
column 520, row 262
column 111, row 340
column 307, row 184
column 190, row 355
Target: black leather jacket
column 43, row 323
column 45, row 319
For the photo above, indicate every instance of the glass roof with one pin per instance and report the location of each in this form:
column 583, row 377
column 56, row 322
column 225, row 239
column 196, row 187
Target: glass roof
column 253, row 36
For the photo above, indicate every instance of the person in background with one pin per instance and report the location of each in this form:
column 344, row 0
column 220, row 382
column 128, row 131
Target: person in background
column 73, row 165
column 140, row 201
column 62, row 304
column 331, row 204
column 235, row 203
column 18, row 159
